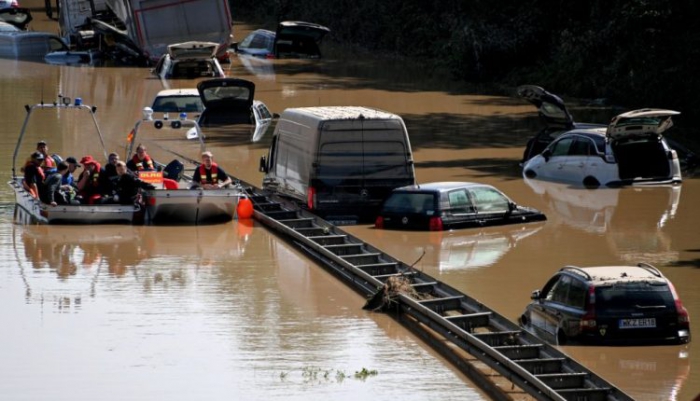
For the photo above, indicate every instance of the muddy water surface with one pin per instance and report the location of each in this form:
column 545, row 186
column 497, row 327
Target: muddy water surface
column 118, row 312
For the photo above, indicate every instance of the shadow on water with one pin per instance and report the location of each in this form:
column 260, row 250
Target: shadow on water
column 454, row 131
column 503, row 168
column 689, row 262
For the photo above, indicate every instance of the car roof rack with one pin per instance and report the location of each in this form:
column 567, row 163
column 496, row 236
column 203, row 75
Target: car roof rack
column 578, row 270
column 653, row 270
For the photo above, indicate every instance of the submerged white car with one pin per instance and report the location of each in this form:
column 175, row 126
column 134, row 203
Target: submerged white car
column 630, row 151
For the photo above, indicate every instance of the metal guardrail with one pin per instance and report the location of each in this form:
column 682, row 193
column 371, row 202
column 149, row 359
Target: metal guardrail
column 438, row 313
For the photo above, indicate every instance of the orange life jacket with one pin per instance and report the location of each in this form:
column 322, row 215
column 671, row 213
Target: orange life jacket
column 214, row 174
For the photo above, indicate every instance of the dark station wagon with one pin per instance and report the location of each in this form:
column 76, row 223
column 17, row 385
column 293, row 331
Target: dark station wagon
column 446, row 205
column 612, row 305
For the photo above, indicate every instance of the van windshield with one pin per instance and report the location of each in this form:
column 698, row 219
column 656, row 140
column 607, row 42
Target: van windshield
column 375, row 155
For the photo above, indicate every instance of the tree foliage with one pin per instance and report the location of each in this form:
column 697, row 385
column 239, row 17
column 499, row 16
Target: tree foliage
column 635, row 52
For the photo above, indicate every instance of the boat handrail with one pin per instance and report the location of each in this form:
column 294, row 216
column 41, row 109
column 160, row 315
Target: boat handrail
column 65, row 103
column 181, row 122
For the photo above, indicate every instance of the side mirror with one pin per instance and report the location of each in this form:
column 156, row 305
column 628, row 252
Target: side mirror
column 512, row 206
column 535, row 296
column 263, row 165
column 234, row 46
column 547, row 154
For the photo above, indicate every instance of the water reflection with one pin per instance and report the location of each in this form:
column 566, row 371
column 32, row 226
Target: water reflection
column 632, row 220
column 263, row 69
column 653, row 373
column 80, row 256
column 449, row 250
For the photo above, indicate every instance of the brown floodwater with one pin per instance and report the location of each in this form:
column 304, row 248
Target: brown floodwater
column 231, row 310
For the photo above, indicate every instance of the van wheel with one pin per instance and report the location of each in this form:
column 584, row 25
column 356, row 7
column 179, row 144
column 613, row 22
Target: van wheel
column 591, row 182
column 561, row 337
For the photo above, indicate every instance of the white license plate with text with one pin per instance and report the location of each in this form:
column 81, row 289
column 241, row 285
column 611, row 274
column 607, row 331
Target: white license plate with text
column 637, row 323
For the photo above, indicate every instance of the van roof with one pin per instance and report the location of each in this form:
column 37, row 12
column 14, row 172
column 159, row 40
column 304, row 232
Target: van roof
column 326, row 113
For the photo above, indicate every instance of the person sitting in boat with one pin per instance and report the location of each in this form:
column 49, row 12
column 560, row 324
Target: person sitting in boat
column 209, row 175
column 109, row 176
column 49, row 164
column 89, row 181
column 141, row 161
column 56, row 193
column 128, row 186
column 33, row 174
column 73, row 165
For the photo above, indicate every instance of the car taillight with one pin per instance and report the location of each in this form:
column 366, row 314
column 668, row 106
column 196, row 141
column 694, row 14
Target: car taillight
column 311, row 197
column 435, row 224
column 588, row 321
column 683, row 317
column 379, row 222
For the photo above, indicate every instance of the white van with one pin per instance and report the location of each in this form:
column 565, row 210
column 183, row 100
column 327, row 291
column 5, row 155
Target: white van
column 340, row 162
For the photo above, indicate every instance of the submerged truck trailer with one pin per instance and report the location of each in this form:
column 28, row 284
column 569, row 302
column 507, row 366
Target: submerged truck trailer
column 145, row 28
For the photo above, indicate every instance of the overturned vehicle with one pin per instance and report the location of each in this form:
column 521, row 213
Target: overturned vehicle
column 138, row 32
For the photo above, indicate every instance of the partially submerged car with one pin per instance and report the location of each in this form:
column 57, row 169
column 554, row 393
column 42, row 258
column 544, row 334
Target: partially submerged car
column 293, row 39
column 29, row 45
column 608, row 305
column 631, row 150
column 441, row 206
column 229, row 103
column 17, row 16
column 557, row 121
column 177, row 101
column 189, row 60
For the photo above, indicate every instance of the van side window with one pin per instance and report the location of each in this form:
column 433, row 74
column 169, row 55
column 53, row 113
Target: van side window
column 271, row 156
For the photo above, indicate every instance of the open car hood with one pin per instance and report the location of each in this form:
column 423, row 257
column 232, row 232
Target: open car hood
column 227, row 93
column 643, row 122
column 550, row 106
column 193, row 50
column 19, row 17
column 299, row 29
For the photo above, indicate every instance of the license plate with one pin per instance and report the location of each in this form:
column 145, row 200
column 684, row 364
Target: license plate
column 637, row 323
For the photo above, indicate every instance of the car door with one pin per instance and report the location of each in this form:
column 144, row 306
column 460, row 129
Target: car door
column 550, row 310
column 580, row 160
column 491, row 205
column 461, row 209
column 555, row 158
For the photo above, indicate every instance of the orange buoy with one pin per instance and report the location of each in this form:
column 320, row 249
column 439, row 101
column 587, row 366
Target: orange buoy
column 244, row 208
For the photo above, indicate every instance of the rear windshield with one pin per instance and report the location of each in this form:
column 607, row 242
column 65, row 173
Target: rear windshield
column 410, row 202
column 634, row 296
column 170, row 104
column 375, row 155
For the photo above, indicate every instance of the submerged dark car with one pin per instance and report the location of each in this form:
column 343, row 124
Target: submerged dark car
column 293, row 39
column 447, row 205
column 613, row 305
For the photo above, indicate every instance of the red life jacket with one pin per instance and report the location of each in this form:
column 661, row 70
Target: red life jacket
column 214, row 174
column 140, row 163
column 48, row 162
